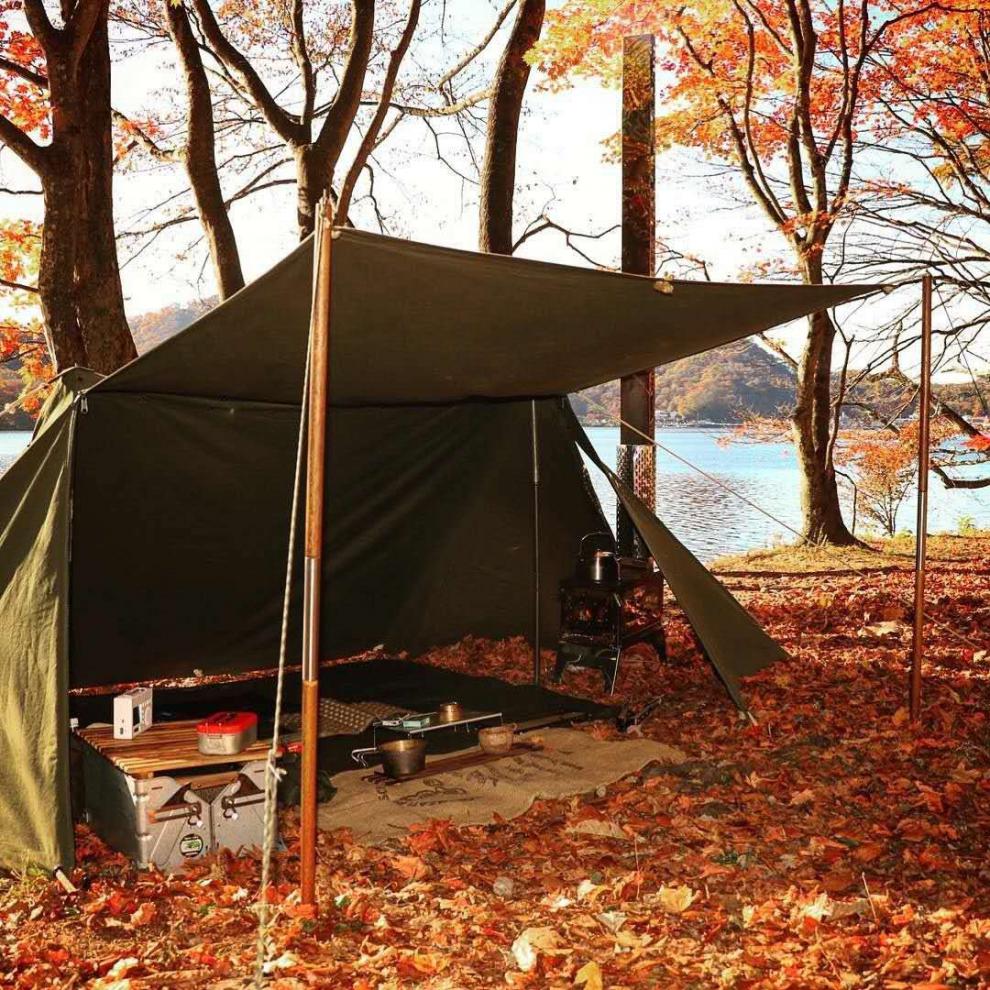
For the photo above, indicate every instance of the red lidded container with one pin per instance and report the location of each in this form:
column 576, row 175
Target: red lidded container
column 227, row 733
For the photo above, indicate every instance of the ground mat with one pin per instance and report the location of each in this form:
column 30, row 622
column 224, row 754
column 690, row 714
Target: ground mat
column 569, row 762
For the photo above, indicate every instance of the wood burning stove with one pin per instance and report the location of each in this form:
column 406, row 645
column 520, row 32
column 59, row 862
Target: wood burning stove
column 601, row 617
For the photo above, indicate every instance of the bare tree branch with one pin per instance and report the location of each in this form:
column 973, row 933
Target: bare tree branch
column 371, row 135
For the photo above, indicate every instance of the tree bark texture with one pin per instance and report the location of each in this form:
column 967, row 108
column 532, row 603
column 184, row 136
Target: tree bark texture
column 498, row 174
column 99, row 296
column 79, row 278
column 316, row 160
column 812, row 420
column 200, row 155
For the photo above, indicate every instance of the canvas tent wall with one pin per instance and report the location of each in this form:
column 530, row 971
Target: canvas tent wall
column 176, row 476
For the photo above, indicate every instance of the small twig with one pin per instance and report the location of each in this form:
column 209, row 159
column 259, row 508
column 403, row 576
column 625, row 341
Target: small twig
column 869, row 898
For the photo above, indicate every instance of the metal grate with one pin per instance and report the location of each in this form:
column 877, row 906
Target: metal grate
column 636, row 466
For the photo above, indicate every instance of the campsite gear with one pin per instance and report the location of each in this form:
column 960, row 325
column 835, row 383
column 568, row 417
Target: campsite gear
column 472, row 788
column 161, row 802
column 341, row 718
column 227, row 733
column 496, row 738
column 450, row 711
column 386, row 730
column 534, row 424
column 132, row 713
column 403, row 757
column 599, row 619
column 596, row 560
column 314, row 425
column 427, row 439
column 461, row 718
column 457, row 761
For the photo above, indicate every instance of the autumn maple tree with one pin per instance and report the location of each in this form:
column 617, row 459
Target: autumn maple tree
column 780, row 92
column 22, row 338
column 884, row 464
column 55, row 117
column 931, row 205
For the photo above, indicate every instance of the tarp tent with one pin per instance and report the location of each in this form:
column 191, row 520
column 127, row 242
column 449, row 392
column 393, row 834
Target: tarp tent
column 143, row 533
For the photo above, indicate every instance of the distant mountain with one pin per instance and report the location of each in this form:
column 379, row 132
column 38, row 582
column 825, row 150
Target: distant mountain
column 742, row 380
column 726, row 385
column 150, row 329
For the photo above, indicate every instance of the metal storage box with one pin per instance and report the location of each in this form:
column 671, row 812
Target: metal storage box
column 169, row 810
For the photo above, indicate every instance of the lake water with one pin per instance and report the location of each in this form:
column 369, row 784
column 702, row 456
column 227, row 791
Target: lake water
column 710, row 520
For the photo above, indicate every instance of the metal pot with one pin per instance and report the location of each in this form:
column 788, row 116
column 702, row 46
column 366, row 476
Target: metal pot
column 403, row 757
column 597, row 561
column 450, row 711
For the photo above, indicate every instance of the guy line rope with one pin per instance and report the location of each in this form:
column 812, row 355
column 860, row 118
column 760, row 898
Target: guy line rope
column 273, row 774
column 759, row 508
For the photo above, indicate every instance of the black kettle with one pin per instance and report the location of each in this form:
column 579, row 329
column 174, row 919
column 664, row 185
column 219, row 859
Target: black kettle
column 597, row 561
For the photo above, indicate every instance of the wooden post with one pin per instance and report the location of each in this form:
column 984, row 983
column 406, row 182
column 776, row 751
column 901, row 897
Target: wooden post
column 319, row 357
column 638, row 391
column 924, row 456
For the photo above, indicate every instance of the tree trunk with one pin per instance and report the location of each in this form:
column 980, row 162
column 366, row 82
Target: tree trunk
column 200, row 155
column 99, row 298
column 498, row 175
column 79, row 278
column 812, row 419
column 311, row 183
column 56, row 285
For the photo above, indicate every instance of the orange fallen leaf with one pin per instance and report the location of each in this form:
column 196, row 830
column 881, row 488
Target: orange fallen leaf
column 589, row 976
column 411, row 866
column 144, row 915
column 675, row 900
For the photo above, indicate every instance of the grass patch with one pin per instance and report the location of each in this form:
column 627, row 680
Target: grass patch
column 880, row 553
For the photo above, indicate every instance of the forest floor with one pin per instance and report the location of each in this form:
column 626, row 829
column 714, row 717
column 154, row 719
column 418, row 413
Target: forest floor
column 831, row 844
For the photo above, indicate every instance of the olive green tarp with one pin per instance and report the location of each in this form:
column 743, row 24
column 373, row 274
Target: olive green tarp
column 143, row 533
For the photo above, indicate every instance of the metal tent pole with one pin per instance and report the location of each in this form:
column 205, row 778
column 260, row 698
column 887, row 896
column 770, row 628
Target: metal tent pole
column 924, row 456
column 319, row 343
column 536, row 543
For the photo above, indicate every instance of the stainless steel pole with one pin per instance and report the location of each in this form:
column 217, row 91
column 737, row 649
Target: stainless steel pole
column 537, row 672
column 924, row 456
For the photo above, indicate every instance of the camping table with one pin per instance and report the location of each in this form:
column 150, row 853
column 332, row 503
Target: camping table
column 395, row 727
column 161, row 801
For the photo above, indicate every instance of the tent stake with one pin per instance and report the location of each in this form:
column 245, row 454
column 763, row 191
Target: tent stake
column 921, row 541
column 537, row 672
column 319, row 343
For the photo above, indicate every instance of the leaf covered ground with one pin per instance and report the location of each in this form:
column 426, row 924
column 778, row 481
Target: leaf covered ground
column 832, row 844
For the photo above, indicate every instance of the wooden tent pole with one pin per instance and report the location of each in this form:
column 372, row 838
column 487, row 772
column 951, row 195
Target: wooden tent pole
column 637, row 392
column 924, row 455
column 537, row 673
column 319, row 343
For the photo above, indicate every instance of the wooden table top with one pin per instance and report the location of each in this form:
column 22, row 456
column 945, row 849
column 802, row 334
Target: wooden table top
column 163, row 748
